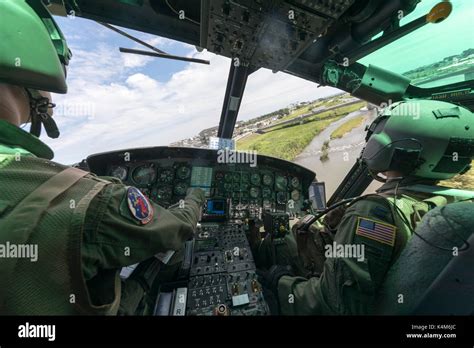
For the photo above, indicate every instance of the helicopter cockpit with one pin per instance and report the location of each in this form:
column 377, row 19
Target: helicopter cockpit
column 347, row 44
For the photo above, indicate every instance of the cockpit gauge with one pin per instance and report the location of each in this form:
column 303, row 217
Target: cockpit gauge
column 267, row 180
column 183, row 172
column 235, row 186
column 180, row 188
column 267, row 204
column 245, row 177
column 281, row 183
column 254, row 192
column 162, row 193
column 245, row 186
column 228, row 177
column 219, row 176
column 255, row 179
column 119, row 172
column 228, row 187
column 295, row 182
column 166, row 176
column 267, row 193
column 295, row 195
column 144, row 175
column 236, row 177
column 281, row 197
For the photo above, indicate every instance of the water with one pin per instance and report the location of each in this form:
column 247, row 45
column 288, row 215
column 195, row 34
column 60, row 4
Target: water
column 343, row 152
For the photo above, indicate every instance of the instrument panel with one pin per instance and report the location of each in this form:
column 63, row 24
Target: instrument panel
column 218, row 269
column 164, row 174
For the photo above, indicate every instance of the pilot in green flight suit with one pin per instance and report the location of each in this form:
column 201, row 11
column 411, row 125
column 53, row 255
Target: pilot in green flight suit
column 414, row 150
column 85, row 228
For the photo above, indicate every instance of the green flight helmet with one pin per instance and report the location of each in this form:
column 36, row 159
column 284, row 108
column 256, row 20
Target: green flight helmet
column 33, row 50
column 426, row 139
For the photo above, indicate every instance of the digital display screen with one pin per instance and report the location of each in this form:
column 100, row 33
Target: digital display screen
column 204, row 244
column 317, row 195
column 202, row 177
column 216, row 207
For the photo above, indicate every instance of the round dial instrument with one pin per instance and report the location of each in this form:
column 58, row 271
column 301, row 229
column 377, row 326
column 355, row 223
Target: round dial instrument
column 295, row 182
column 267, row 204
column 119, row 172
column 236, row 177
column 144, row 175
column 255, row 179
column 281, row 183
column 295, row 195
column 162, row 194
column 244, row 186
column 183, row 172
column 267, row 180
column 228, row 177
column 227, row 187
column 281, row 197
column 180, row 188
column 267, row 193
column 254, row 192
column 166, row 176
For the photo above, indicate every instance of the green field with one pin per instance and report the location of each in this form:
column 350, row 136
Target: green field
column 307, row 108
column 285, row 143
column 300, row 111
column 347, row 127
column 325, row 115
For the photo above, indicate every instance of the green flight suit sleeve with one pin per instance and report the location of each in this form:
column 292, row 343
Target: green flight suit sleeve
column 347, row 285
column 114, row 238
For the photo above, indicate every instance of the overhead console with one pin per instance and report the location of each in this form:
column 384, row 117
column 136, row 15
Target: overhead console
column 268, row 34
column 218, row 274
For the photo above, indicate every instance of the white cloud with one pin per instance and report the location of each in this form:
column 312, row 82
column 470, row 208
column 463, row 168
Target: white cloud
column 142, row 82
column 135, row 109
column 135, row 60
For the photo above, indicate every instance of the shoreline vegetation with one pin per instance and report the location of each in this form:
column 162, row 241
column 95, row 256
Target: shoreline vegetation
column 339, row 133
column 324, row 152
column 289, row 140
column 284, row 143
column 347, row 127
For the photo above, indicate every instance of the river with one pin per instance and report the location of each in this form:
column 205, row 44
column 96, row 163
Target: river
column 343, row 152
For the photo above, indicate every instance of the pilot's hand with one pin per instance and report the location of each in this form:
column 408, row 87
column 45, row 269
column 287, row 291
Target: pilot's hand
column 333, row 218
column 269, row 281
column 196, row 192
column 253, row 236
column 302, row 239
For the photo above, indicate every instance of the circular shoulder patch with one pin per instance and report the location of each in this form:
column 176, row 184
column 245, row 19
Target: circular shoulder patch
column 139, row 205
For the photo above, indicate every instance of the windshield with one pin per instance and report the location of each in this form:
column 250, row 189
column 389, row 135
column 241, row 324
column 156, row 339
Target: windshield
column 118, row 101
column 436, row 54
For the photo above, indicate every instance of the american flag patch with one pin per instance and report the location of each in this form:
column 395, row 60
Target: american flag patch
column 376, row 230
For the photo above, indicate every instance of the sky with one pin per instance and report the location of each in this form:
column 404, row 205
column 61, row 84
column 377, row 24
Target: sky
column 119, row 101
column 432, row 42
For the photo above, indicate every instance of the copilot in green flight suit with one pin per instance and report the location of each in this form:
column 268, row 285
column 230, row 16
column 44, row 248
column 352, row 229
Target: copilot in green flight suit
column 85, row 228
